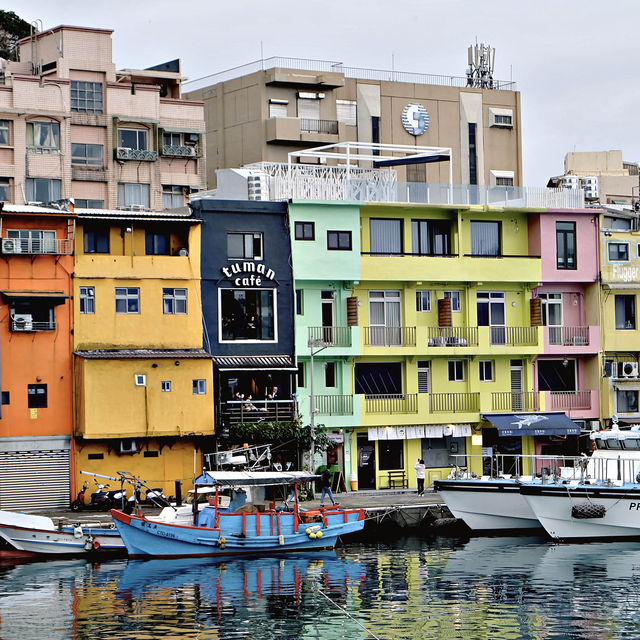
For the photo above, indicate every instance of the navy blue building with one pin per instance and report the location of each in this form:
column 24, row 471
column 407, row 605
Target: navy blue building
column 248, row 308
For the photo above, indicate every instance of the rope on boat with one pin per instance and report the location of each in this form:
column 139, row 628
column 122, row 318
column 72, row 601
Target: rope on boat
column 346, row 613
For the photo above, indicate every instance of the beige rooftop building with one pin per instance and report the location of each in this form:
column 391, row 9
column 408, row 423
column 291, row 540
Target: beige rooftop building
column 264, row 110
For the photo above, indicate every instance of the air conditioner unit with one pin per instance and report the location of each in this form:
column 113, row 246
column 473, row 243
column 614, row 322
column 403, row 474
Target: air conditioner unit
column 123, row 153
column 192, row 138
column 22, row 322
column 127, row 446
column 629, row 370
column 11, row 245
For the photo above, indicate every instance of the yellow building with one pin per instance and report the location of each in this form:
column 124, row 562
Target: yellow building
column 143, row 383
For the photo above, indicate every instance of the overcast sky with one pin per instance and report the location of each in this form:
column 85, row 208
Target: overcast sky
column 575, row 62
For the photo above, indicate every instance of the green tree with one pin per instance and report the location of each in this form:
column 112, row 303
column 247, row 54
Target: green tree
column 12, row 28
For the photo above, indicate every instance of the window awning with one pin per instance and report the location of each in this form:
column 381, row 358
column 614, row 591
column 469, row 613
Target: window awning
column 55, row 297
column 533, row 424
column 254, row 363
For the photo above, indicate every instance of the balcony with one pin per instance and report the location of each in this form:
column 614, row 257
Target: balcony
column 390, row 336
column 333, row 405
column 569, row 336
column 391, row 403
column 179, row 151
column 452, row 336
column 23, row 323
column 514, row 401
column 454, row 402
column 37, row 246
column 145, row 155
column 254, row 411
column 330, row 336
column 569, row 400
column 310, row 125
column 514, row 336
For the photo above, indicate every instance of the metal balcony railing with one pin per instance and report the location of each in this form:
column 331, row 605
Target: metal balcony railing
column 240, row 411
column 454, row 402
column 333, row 405
column 309, row 125
column 181, row 150
column 393, row 403
column 569, row 336
column 146, row 155
column 514, row 401
column 21, row 325
column 390, row 336
column 331, row 336
column 452, row 336
column 564, row 400
column 31, row 246
column 514, row 336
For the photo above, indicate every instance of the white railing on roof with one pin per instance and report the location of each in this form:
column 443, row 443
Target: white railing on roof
column 321, row 182
column 305, row 64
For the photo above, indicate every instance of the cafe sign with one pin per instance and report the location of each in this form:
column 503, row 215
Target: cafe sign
column 248, row 274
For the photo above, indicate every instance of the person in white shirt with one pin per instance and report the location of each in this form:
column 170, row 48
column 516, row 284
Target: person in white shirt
column 419, row 467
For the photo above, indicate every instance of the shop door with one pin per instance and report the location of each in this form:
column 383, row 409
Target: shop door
column 366, row 462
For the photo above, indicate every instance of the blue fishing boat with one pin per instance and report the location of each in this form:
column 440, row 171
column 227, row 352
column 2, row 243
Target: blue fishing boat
column 256, row 526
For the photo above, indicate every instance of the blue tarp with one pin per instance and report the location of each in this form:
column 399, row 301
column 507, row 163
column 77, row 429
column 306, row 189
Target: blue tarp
column 533, row 424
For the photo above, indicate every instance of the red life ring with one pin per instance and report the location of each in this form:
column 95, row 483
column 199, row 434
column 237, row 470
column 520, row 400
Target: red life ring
column 96, row 544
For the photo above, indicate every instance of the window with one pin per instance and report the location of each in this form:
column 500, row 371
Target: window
column 299, row 305
column 244, row 246
column 455, row 299
column 156, row 244
column 95, row 456
column 150, row 454
column 34, row 240
column 618, row 251
column 423, row 300
column 485, row 238
column 625, row 310
column 456, row 370
column 373, row 378
column 375, row 133
column 43, row 137
column 430, row 237
column 199, row 387
column 96, row 239
column 347, row 112
column 132, row 139
column 140, row 380
column 339, row 240
column 391, row 455
column 83, row 203
column 4, row 132
column 5, row 190
column 504, row 181
column 473, row 168
column 247, row 314
column 86, row 96
column 566, row 245
column 424, row 376
column 172, row 196
column 127, row 300
column 300, row 374
column 133, row 194
column 305, row 231
column 86, row 154
column 172, row 139
column 278, row 108
column 626, row 401
column 87, row 300
column 174, row 301
column 551, row 309
column 43, row 189
column 486, row 370
column 385, row 325
column 165, row 385
column 5, row 397
column 37, row 396
column 309, row 107
column 329, row 374
column 385, row 236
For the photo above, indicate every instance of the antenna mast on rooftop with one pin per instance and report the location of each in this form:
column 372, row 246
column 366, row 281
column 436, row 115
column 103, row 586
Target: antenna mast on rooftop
column 482, row 60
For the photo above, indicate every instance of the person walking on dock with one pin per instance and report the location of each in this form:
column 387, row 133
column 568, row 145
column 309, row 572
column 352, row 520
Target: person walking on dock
column 419, row 467
column 325, row 485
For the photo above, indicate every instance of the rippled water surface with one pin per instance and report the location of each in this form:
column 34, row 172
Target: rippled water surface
column 405, row 588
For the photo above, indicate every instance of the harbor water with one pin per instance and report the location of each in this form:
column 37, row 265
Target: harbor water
column 493, row 588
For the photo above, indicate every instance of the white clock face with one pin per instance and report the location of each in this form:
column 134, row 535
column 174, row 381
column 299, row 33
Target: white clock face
column 415, row 119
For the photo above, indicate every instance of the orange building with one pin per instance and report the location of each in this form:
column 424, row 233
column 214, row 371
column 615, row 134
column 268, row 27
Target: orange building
column 36, row 377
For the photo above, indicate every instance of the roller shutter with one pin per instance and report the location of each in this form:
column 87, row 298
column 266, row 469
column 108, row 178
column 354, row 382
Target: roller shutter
column 34, row 479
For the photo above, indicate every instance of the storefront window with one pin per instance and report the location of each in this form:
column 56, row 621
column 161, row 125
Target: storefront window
column 247, row 314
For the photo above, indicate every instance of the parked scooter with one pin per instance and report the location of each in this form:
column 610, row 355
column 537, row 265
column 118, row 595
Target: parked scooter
column 99, row 501
column 153, row 497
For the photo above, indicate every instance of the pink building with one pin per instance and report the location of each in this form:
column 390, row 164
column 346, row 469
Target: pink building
column 567, row 304
column 71, row 126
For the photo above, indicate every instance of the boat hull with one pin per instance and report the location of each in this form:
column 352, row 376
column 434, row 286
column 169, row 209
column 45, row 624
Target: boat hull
column 243, row 534
column 488, row 505
column 553, row 506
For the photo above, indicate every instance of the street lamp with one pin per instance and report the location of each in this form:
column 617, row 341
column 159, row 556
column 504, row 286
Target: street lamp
column 315, row 347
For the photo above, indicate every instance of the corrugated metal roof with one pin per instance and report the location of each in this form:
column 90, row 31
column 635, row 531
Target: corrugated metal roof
column 229, row 363
column 139, row 354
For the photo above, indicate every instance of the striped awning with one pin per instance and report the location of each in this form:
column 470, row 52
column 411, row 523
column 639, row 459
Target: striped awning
column 254, row 363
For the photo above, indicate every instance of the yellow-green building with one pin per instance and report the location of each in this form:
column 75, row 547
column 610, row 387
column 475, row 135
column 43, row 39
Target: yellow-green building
column 143, row 383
